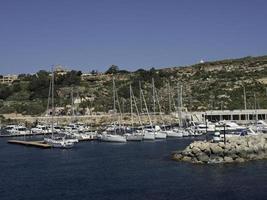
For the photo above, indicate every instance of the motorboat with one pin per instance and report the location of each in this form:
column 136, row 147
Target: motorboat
column 59, row 142
column 17, row 130
column 228, row 126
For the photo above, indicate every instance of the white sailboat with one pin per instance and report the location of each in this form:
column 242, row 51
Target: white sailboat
column 159, row 134
column 56, row 142
column 108, row 137
column 148, row 133
column 134, row 136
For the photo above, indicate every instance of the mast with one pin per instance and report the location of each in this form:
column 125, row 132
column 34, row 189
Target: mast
column 154, row 99
column 181, row 96
column 114, row 96
column 169, row 94
column 157, row 99
column 179, row 104
column 49, row 96
column 72, row 104
column 52, row 101
column 114, row 102
column 141, row 102
column 150, row 121
column 131, row 102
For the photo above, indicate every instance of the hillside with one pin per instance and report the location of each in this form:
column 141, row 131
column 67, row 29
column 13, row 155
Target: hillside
column 210, row 85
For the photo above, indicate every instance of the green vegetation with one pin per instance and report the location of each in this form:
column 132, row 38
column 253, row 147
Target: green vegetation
column 211, row 85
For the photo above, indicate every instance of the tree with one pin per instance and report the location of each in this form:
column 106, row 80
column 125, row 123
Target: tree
column 112, row 70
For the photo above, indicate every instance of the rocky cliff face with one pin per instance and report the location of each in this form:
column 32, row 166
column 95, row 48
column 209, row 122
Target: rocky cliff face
column 237, row 149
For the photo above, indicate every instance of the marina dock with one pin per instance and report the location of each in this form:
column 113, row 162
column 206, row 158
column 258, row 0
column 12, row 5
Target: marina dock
column 39, row 144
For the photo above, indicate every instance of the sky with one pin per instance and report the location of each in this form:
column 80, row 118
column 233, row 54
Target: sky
column 94, row 34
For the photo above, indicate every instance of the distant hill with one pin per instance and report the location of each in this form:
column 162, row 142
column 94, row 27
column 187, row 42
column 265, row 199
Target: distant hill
column 208, row 85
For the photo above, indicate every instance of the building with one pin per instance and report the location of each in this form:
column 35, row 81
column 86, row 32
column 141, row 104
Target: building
column 240, row 116
column 8, row 79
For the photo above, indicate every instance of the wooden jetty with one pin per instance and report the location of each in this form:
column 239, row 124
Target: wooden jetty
column 39, row 144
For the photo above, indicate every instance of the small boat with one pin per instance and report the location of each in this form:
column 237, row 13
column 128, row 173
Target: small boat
column 59, row 142
column 112, row 138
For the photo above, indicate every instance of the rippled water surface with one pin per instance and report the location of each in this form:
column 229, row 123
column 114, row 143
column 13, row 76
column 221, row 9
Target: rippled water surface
column 93, row 170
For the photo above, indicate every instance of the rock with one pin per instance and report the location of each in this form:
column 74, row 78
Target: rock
column 240, row 160
column 203, row 157
column 204, row 147
column 215, row 149
column 222, row 145
column 186, row 159
column 196, row 150
column 216, row 160
column 177, row 156
column 228, row 159
column 239, row 149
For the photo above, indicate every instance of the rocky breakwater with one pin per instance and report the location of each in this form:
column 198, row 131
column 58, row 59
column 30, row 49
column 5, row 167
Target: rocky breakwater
column 238, row 149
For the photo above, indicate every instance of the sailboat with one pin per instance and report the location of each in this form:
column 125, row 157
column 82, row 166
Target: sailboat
column 114, row 137
column 134, row 136
column 56, row 142
column 148, row 131
column 159, row 134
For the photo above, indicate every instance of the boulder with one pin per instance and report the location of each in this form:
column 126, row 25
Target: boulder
column 215, row 149
column 203, row 157
column 186, row 159
column 177, row 156
column 196, row 150
column 228, row 159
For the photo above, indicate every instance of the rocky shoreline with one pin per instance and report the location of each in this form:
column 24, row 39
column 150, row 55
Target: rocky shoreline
column 238, row 149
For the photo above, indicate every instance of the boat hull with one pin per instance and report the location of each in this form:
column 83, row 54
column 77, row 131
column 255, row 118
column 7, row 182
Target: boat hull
column 113, row 138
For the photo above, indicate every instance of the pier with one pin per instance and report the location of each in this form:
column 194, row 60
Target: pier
column 39, row 144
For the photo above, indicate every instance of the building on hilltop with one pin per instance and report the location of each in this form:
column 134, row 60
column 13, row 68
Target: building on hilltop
column 8, row 79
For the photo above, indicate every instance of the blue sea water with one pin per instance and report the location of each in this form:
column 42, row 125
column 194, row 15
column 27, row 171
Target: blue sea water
column 138, row 171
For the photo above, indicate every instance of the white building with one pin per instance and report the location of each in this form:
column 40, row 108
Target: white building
column 240, row 116
column 8, row 79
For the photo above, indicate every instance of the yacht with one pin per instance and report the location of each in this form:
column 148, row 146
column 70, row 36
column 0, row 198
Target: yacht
column 229, row 126
column 17, row 130
column 40, row 129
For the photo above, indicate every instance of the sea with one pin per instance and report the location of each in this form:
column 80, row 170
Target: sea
column 130, row 171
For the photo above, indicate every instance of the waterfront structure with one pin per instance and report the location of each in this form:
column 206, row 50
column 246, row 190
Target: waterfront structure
column 8, row 79
column 240, row 116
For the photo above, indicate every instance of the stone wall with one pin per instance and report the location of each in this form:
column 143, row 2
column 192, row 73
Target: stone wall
column 238, row 149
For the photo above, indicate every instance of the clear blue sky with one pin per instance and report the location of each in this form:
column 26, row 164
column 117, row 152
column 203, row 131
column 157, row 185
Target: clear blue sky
column 93, row 34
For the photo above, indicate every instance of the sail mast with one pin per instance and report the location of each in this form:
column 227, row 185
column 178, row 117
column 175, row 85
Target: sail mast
column 131, row 102
column 52, row 101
